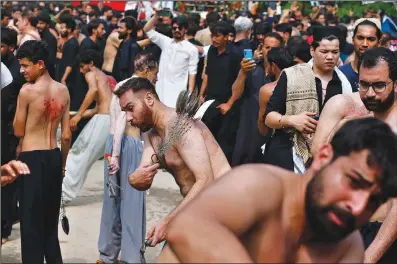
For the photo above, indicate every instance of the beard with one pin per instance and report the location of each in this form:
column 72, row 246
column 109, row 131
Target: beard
column 65, row 34
column 122, row 35
column 376, row 105
column 324, row 230
column 144, row 125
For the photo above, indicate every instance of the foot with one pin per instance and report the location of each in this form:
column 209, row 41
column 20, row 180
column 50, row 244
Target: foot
column 100, row 261
column 4, row 240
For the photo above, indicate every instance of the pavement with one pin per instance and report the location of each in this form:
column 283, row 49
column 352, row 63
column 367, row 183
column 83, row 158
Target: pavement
column 84, row 214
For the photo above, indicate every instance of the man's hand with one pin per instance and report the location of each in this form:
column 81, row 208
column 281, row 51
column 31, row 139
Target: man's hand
column 158, row 232
column 258, row 53
column 247, row 65
column 142, row 177
column 63, row 81
column 224, row 108
column 11, row 171
column 74, row 121
column 157, row 12
column 114, row 165
column 304, row 122
column 202, row 99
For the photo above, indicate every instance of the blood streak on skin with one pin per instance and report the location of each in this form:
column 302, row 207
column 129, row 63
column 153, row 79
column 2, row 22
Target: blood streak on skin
column 51, row 112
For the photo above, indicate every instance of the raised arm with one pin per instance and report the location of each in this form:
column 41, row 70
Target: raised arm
column 21, row 112
column 208, row 230
column 264, row 95
column 66, row 136
column 193, row 60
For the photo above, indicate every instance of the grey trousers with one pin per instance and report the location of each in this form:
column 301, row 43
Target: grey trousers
column 123, row 221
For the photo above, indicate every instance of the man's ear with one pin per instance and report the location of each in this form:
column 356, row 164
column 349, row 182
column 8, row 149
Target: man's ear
column 311, row 51
column 41, row 64
column 324, row 156
column 149, row 98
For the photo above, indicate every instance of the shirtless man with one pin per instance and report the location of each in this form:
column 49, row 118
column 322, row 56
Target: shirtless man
column 112, row 44
column 27, row 26
column 378, row 67
column 194, row 161
column 42, row 105
column 266, row 214
column 90, row 144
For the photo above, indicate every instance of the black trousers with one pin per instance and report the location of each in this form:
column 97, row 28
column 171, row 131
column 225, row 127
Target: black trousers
column 39, row 206
column 369, row 232
column 223, row 127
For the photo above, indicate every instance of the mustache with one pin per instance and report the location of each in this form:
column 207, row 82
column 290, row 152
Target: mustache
column 345, row 216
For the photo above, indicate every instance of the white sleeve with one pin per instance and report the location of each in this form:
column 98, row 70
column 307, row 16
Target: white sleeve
column 158, row 39
column 6, row 77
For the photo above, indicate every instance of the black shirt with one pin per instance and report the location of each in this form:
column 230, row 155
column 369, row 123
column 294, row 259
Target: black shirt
column 243, row 44
column 88, row 44
column 200, row 64
column 51, row 41
column 123, row 66
column 222, row 71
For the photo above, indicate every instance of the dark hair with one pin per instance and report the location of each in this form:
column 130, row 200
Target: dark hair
column 136, row 85
column 9, row 37
column 220, row 27
column 180, row 21
column 283, row 27
column 90, row 55
column 130, row 23
column 212, row 17
column 5, row 13
column 33, row 50
column 164, row 29
column 194, row 17
column 315, row 44
column 373, row 56
column 145, row 60
column 94, row 24
column 368, row 23
column 343, row 30
column 373, row 135
column 262, row 28
column 68, row 21
column 131, row 13
column 385, row 38
column 276, row 36
column 281, row 57
column 29, row 15
column 299, row 48
column 192, row 29
column 105, row 9
column 44, row 16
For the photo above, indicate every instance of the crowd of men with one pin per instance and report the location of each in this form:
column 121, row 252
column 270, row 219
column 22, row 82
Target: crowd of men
column 314, row 108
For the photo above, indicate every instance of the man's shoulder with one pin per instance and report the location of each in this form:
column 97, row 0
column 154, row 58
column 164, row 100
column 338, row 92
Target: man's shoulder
column 346, row 67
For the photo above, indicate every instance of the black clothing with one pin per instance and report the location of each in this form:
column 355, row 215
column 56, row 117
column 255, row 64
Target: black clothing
column 200, row 65
column 51, row 41
column 123, row 66
column 222, row 70
column 70, row 51
column 154, row 49
column 279, row 149
column 243, row 44
column 88, row 44
column 39, row 206
column 369, row 232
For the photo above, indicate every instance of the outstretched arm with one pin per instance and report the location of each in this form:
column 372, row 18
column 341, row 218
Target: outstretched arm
column 208, row 230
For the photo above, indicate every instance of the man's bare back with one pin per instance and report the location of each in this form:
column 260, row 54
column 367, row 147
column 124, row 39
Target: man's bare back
column 104, row 96
column 112, row 44
column 175, row 164
column 47, row 102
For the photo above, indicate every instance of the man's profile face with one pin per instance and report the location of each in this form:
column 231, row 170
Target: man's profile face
column 151, row 75
column 100, row 31
column 21, row 23
column 123, row 32
column 29, row 70
column 342, row 196
column 64, row 31
column 380, row 101
column 41, row 26
column 4, row 49
column 137, row 112
column 219, row 40
column 365, row 39
column 326, row 55
column 84, row 68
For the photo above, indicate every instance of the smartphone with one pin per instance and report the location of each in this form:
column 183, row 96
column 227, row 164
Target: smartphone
column 316, row 118
column 248, row 54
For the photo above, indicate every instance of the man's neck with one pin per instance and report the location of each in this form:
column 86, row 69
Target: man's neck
column 354, row 63
column 239, row 37
column 389, row 117
column 188, row 37
column 221, row 49
column 127, row 38
column 161, row 116
column 28, row 29
column 323, row 74
column 43, row 77
column 178, row 40
column 93, row 38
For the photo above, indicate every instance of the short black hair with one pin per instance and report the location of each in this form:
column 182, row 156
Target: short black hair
column 44, row 16
column 145, row 60
column 262, row 28
column 90, row 55
column 385, row 38
column 164, row 29
column 376, row 136
column 105, row 9
column 283, row 27
column 132, row 13
column 316, row 44
column 136, row 85
column 68, row 20
column 130, row 23
column 281, row 57
column 276, row 36
column 33, row 50
column 368, row 23
column 373, row 56
column 192, row 28
column 220, row 27
column 5, row 13
column 180, row 21
column 9, row 36
column 94, row 24
column 299, row 48
column 212, row 17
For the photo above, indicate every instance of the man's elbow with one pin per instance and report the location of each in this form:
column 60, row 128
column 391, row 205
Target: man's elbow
column 66, row 138
column 18, row 132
